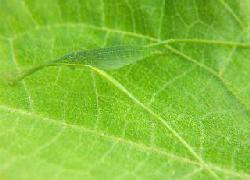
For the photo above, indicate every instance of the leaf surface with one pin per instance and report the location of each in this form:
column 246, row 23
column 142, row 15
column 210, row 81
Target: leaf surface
column 184, row 114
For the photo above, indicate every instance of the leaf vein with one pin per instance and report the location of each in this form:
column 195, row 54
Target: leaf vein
column 140, row 146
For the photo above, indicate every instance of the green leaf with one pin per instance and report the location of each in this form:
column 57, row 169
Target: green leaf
column 181, row 114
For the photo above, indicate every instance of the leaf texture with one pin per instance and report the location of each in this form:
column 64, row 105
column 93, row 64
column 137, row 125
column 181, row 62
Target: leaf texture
column 181, row 114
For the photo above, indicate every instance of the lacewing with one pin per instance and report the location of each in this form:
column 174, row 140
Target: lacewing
column 108, row 58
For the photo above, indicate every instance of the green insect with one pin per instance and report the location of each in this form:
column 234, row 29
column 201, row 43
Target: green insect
column 108, row 58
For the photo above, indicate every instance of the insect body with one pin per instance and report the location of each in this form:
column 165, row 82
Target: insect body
column 109, row 58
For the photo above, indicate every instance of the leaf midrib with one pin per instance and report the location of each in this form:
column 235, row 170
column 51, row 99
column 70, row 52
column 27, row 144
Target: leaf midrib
column 157, row 117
